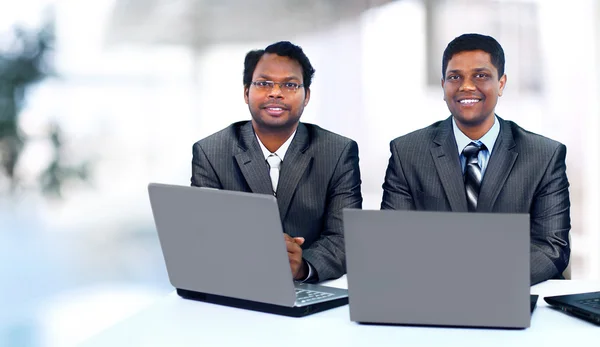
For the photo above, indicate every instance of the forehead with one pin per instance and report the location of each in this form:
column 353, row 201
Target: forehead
column 471, row 60
column 277, row 67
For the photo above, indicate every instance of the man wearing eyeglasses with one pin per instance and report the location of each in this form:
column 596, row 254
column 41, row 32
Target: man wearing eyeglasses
column 313, row 173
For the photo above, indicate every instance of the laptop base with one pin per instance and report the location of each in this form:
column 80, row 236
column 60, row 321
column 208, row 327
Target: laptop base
column 476, row 327
column 533, row 298
column 262, row 307
column 570, row 304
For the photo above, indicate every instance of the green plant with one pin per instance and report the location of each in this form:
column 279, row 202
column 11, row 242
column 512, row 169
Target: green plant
column 24, row 63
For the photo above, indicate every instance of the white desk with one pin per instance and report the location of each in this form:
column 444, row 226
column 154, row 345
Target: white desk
column 173, row 321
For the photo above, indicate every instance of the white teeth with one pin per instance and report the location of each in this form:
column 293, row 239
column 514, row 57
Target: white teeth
column 275, row 109
column 469, row 101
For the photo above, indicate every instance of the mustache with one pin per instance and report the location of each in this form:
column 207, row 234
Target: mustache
column 276, row 104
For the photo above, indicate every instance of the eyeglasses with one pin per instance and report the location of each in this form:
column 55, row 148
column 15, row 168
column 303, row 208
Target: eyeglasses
column 289, row 87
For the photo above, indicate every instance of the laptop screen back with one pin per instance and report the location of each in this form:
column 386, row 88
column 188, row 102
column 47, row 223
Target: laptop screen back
column 438, row 268
column 223, row 242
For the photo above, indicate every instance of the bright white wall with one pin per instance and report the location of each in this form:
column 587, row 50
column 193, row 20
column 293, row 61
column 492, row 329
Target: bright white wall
column 370, row 85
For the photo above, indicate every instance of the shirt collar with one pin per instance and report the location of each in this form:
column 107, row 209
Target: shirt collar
column 489, row 139
column 279, row 152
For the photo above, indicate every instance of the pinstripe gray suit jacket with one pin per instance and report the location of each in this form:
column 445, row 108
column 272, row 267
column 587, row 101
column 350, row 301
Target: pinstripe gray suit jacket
column 525, row 174
column 318, row 178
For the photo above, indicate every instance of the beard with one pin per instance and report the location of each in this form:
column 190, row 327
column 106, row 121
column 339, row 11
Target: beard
column 285, row 122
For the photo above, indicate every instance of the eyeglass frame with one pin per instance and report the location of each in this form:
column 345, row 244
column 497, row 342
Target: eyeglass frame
column 280, row 84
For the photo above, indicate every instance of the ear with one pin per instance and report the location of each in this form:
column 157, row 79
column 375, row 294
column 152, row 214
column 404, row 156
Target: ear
column 307, row 97
column 246, row 91
column 442, row 83
column 502, row 84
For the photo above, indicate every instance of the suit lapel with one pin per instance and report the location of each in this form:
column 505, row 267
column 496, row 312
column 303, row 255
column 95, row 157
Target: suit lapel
column 447, row 164
column 252, row 162
column 293, row 167
column 501, row 163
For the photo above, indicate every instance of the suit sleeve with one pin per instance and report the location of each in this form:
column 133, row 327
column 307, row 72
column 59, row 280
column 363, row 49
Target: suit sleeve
column 327, row 255
column 396, row 193
column 203, row 174
column 551, row 222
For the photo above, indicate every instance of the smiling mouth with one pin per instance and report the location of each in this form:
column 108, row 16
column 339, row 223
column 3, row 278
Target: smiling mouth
column 469, row 101
column 275, row 111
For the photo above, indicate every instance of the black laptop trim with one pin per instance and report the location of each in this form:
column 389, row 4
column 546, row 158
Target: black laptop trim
column 534, row 299
column 568, row 304
column 262, row 307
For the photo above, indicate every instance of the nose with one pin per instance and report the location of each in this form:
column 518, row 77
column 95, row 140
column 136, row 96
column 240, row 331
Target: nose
column 467, row 84
column 276, row 92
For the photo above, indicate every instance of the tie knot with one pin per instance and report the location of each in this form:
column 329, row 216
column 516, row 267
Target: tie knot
column 472, row 149
column 274, row 161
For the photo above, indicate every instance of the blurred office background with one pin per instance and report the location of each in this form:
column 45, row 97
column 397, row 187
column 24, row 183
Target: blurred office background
column 98, row 98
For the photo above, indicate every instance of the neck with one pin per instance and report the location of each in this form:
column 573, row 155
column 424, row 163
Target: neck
column 272, row 139
column 476, row 131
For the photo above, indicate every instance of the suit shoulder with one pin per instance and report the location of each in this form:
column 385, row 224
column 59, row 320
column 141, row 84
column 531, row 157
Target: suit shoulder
column 530, row 141
column 423, row 135
column 221, row 139
column 324, row 137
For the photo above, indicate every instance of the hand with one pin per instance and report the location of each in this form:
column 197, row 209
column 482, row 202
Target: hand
column 298, row 266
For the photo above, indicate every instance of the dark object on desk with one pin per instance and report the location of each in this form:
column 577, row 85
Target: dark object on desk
column 438, row 268
column 299, row 310
column 228, row 248
column 534, row 299
column 584, row 305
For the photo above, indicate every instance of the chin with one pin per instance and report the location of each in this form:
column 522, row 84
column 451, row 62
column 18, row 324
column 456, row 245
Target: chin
column 277, row 125
column 472, row 120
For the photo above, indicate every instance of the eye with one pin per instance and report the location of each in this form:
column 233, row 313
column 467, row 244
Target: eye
column 452, row 77
column 290, row 85
column 482, row 75
column 263, row 84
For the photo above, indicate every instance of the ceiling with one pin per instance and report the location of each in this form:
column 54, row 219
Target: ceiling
column 198, row 23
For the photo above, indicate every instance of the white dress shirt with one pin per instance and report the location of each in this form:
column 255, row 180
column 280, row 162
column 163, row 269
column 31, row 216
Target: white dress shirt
column 489, row 140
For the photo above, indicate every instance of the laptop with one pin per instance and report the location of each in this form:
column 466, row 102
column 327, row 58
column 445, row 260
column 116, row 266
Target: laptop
column 438, row 268
column 583, row 305
column 534, row 300
column 228, row 248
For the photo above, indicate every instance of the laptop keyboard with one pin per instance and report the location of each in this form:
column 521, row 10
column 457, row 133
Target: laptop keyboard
column 593, row 303
column 304, row 296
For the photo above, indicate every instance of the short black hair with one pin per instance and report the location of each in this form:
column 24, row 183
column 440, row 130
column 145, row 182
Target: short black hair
column 475, row 42
column 283, row 49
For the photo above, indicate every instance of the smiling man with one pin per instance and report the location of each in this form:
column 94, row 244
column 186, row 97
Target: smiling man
column 474, row 161
column 313, row 173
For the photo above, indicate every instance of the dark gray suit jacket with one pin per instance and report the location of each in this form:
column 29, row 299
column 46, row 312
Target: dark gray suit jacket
column 525, row 174
column 318, row 178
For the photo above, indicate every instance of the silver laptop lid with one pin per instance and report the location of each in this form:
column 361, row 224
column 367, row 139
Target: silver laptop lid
column 438, row 268
column 223, row 242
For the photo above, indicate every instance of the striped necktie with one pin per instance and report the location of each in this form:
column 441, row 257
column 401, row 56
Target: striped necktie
column 473, row 175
